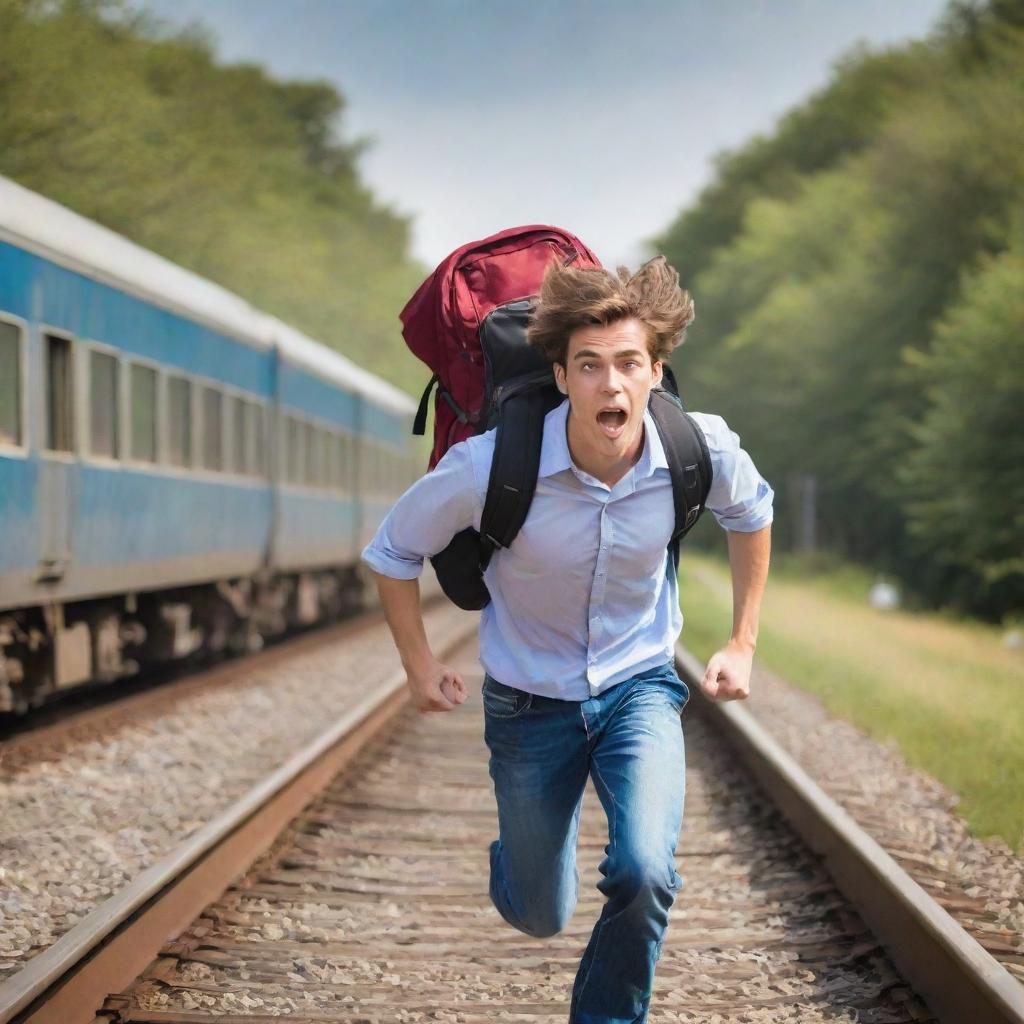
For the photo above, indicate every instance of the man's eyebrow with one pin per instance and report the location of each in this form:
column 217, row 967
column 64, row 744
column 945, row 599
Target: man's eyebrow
column 589, row 354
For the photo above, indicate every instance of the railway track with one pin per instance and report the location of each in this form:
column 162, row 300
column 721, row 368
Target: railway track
column 372, row 907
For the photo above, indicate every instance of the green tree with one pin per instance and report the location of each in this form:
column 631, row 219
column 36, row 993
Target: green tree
column 820, row 300
column 964, row 480
column 242, row 178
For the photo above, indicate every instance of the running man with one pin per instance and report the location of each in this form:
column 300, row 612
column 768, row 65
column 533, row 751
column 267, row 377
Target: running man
column 577, row 642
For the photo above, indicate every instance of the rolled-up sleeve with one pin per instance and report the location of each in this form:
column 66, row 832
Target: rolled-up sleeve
column 740, row 498
column 426, row 517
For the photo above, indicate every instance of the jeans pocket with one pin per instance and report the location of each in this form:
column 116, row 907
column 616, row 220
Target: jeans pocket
column 501, row 701
column 679, row 691
column 685, row 694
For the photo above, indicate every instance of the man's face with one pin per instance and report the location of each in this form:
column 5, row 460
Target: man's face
column 608, row 377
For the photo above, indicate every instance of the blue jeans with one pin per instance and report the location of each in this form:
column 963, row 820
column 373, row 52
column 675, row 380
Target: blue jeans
column 542, row 750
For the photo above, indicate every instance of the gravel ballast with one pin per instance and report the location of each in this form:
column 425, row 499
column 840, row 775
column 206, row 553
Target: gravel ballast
column 85, row 812
column 909, row 813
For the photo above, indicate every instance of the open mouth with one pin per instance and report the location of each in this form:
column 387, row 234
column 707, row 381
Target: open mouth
column 612, row 421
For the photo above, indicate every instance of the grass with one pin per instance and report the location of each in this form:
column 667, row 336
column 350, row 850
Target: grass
column 947, row 691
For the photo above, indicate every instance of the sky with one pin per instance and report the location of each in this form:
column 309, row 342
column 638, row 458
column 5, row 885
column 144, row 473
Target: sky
column 599, row 116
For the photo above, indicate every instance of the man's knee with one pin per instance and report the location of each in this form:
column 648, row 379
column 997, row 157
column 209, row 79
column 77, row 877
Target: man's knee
column 538, row 910
column 641, row 880
column 541, row 922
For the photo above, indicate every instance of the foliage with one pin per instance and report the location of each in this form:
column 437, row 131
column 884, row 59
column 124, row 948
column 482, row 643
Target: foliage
column 963, row 490
column 858, row 294
column 235, row 175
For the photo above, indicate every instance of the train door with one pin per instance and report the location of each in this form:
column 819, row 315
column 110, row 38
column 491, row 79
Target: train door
column 57, row 460
column 276, row 456
column 358, row 475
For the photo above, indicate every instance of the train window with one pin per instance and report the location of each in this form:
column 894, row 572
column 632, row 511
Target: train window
column 315, row 449
column 320, row 448
column 372, row 456
column 257, row 456
column 309, row 442
column 103, row 404
column 309, row 476
column 366, row 475
column 295, row 444
column 239, row 436
column 326, row 458
column 59, row 414
column 179, row 421
column 340, row 462
column 10, row 383
column 337, row 461
column 143, row 398
column 322, row 445
column 213, row 429
column 345, row 463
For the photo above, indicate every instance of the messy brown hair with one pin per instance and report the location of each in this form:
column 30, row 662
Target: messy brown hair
column 572, row 297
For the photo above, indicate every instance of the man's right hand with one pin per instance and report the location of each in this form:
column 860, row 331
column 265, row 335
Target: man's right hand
column 436, row 687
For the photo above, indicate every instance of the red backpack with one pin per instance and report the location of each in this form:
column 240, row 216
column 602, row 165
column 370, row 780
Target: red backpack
column 468, row 322
column 442, row 323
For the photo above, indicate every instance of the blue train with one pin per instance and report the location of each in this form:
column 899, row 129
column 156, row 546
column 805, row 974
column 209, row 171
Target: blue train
column 178, row 471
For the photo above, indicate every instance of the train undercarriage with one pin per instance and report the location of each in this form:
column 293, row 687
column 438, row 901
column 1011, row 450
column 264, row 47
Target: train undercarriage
column 52, row 648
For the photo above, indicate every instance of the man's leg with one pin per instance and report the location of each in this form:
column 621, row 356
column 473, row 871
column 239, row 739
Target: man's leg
column 639, row 773
column 539, row 765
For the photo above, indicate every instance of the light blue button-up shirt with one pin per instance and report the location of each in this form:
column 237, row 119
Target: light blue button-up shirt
column 584, row 597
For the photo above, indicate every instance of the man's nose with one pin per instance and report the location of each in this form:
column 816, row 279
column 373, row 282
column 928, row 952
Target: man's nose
column 611, row 382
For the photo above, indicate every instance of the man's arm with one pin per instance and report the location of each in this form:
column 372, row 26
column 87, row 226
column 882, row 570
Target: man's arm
column 435, row 687
column 727, row 676
column 420, row 524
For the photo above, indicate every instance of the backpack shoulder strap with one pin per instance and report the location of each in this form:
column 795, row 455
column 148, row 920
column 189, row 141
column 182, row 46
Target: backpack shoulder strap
column 689, row 463
column 513, row 477
column 517, row 446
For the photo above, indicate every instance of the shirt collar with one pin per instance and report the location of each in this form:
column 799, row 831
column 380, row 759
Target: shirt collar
column 554, row 452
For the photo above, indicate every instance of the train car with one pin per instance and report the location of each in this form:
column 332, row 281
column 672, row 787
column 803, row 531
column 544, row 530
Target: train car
column 179, row 472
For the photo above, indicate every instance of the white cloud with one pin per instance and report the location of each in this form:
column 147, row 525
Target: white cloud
column 595, row 115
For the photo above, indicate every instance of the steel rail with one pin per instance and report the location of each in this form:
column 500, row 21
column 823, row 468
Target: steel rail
column 959, row 980
column 60, row 982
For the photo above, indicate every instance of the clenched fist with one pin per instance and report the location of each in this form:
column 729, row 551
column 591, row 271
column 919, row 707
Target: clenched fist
column 436, row 687
column 727, row 676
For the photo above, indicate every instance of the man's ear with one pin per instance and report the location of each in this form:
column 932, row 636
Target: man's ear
column 560, row 378
column 657, row 372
